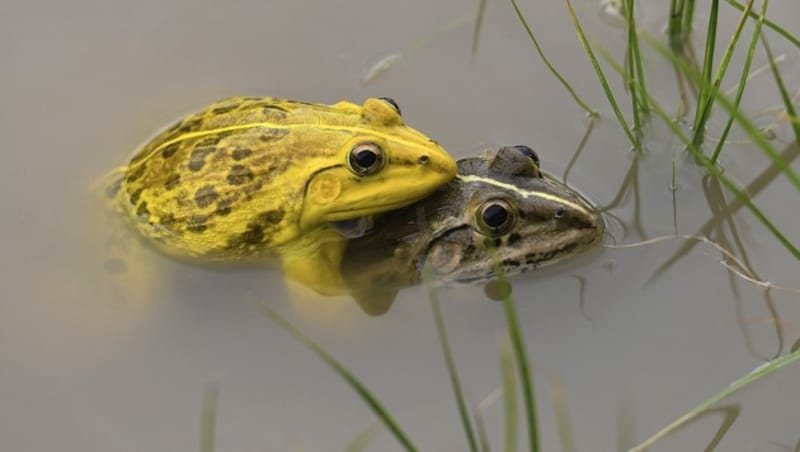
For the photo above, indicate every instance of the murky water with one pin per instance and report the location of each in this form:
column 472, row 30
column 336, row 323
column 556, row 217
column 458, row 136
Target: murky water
column 84, row 83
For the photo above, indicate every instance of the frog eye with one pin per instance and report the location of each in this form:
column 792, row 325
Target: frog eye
column 393, row 103
column 495, row 217
column 365, row 159
column 528, row 152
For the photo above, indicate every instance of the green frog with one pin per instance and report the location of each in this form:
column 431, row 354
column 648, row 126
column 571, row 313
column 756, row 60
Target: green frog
column 500, row 208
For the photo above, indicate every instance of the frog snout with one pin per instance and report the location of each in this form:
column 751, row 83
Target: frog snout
column 439, row 162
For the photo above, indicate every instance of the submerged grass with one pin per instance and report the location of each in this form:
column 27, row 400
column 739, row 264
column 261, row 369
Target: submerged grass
column 547, row 63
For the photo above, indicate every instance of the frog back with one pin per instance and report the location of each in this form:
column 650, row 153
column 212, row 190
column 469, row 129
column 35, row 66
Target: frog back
column 230, row 182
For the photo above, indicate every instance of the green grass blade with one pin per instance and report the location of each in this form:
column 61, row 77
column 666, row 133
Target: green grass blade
column 633, row 139
column 752, row 131
column 742, row 80
column 521, row 356
column 362, row 440
column 687, row 20
column 787, row 99
column 705, row 98
column 547, row 62
column 509, row 396
column 455, row 382
column 674, row 28
column 633, row 44
column 768, row 23
column 723, row 67
column 712, row 169
column 478, row 25
column 753, row 376
column 633, row 59
column 380, row 411
column 480, row 427
column 563, row 422
column 208, row 419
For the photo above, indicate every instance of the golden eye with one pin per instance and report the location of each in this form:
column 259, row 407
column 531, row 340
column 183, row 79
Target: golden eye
column 495, row 217
column 366, row 159
column 392, row 102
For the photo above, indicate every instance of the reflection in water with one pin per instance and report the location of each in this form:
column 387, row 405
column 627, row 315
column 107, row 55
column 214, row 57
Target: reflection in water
column 755, row 187
column 630, row 183
column 716, row 204
column 503, row 203
column 722, row 210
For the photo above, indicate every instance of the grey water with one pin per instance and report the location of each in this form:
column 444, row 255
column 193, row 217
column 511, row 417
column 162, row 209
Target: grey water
column 84, row 83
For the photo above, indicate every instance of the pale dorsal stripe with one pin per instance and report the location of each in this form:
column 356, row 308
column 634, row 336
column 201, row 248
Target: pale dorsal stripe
column 524, row 193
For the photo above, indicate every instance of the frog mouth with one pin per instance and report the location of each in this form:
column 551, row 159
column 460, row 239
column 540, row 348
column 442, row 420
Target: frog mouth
column 374, row 209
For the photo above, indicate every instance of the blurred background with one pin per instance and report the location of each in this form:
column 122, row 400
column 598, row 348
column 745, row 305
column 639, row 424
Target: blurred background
column 84, row 83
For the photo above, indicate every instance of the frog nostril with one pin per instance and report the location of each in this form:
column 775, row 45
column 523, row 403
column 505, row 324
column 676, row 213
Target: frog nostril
column 423, row 159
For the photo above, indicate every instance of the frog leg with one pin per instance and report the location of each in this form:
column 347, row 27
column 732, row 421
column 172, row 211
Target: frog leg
column 317, row 268
column 375, row 301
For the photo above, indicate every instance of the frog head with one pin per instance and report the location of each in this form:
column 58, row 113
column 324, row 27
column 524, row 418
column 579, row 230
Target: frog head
column 382, row 166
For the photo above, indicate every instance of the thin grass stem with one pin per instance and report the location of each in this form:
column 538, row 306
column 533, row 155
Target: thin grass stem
column 546, row 62
column 521, row 357
column 755, row 375
column 712, row 169
column 787, row 99
column 360, row 442
column 476, row 32
column 633, row 42
column 366, row 395
column 633, row 139
column 704, row 98
column 455, row 381
column 752, row 131
column 509, row 396
column 675, row 22
column 632, row 60
column 208, row 419
column 768, row 23
column 561, row 413
column 687, row 20
column 723, row 67
column 742, row 80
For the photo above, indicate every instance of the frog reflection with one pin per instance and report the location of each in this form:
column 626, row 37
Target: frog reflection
column 500, row 204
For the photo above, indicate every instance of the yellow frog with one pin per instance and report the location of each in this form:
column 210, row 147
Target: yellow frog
column 248, row 178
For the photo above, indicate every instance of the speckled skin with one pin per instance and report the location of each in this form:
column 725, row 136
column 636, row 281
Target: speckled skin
column 550, row 222
column 247, row 178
